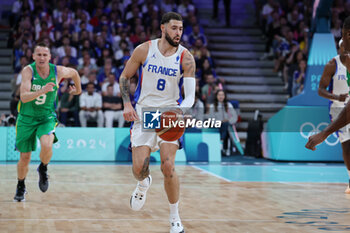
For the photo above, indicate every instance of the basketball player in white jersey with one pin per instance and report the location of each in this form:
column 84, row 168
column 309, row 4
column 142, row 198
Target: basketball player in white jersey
column 343, row 118
column 164, row 66
column 335, row 78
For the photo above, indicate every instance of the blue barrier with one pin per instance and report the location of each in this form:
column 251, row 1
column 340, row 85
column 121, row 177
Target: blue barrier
column 288, row 132
column 202, row 146
column 122, row 140
column 3, row 143
column 75, row 144
column 110, row 144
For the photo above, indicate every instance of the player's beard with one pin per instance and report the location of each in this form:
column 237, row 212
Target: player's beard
column 170, row 41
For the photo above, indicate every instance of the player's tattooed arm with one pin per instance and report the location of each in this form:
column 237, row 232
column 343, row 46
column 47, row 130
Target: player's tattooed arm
column 137, row 58
column 124, row 84
column 189, row 65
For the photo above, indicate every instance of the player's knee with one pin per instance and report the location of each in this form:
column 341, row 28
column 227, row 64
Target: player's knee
column 46, row 146
column 167, row 168
column 25, row 158
column 140, row 171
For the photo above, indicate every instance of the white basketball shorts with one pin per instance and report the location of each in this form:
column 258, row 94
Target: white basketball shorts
column 343, row 133
column 146, row 137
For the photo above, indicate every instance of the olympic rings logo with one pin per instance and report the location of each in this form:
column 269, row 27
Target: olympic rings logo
column 308, row 129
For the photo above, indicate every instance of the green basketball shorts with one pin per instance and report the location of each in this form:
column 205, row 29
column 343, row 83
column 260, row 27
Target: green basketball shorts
column 29, row 128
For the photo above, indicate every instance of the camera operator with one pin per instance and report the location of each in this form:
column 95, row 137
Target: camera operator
column 7, row 120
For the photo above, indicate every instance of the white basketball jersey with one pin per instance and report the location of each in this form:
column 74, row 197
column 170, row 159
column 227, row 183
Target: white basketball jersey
column 339, row 83
column 160, row 78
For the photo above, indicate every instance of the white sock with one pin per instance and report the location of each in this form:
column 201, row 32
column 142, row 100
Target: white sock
column 349, row 174
column 144, row 182
column 174, row 212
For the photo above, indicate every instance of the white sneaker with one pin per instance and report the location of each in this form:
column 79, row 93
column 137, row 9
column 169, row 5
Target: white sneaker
column 176, row 227
column 138, row 197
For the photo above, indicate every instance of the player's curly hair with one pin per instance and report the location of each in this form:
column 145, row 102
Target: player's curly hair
column 169, row 16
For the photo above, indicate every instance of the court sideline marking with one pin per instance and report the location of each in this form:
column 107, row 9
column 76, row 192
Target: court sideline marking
column 211, row 173
column 137, row 220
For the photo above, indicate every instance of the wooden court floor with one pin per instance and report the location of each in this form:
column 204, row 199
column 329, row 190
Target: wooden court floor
column 95, row 198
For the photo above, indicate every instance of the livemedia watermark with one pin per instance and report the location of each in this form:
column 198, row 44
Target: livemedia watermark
column 156, row 119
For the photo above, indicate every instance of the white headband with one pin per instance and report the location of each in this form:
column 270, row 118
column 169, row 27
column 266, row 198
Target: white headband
column 340, row 42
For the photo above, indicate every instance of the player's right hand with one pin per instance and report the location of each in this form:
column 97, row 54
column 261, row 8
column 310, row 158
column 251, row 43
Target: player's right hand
column 129, row 113
column 342, row 97
column 314, row 140
column 48, row 87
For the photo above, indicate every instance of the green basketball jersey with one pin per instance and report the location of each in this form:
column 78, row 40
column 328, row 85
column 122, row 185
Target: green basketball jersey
column 45, row 104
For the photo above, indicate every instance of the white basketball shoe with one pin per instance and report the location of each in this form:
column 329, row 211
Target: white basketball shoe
column 138, row 197
column 176, row 227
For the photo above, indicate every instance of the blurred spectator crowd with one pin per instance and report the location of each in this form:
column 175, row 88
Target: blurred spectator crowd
column 285, row 26
column 97, row 37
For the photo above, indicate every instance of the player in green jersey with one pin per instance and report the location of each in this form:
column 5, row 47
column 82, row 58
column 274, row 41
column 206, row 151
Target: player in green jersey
column 36, row 113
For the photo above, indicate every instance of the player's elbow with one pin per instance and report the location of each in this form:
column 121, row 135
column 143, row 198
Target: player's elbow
column 320, row 91
column 23, row 99
column 122, row 78
column 78, row 91
column 73, row 74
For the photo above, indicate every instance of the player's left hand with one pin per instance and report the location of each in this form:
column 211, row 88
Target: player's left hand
column 314, row 140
